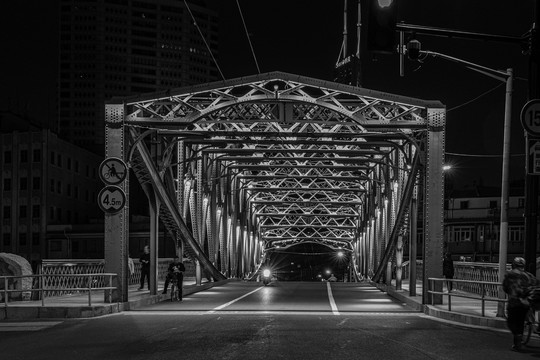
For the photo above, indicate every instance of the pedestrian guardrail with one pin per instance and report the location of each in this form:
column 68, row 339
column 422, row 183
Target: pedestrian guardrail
column 483, row 287
column 81, row 283
column 63, row 268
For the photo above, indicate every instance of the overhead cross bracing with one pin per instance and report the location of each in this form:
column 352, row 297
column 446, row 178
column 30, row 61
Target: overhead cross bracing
column 272, row 160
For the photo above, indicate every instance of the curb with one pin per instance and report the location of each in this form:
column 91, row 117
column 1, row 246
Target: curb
column 430, row 310
column 71, row 312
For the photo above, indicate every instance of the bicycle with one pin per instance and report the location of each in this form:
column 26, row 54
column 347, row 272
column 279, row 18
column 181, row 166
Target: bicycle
column 176, row 294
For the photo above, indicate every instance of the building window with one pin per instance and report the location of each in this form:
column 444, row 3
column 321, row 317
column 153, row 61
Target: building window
column 59, row 158
column 87, row 171
column 86, row 196
column 493, row 204
column 7, row 157
column 68, row 189
column 36, row 183
column 76, row 166
column 68, row 216
column 23, row 184
column 22, row 239
column 35, row 239
column 7, row 184
column 36, row 157
column 36, row 211
column 24, row 156
column 52, row 157
column 464, row 204
column 76, row 192
column 7, row 239
column 515, row 233
column 23, row 211
column 59, row 187
column 51, row 212
column 52, row 185
column 7, row 212
column 55, row 245
column 59, row 214
column 460, row 233
column 68, row 163
column 521, row 202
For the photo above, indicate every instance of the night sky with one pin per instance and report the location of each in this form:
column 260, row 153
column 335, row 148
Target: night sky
column 304, row 37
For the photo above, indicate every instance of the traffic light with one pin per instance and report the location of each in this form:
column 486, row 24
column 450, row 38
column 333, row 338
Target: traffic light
column 381, row 25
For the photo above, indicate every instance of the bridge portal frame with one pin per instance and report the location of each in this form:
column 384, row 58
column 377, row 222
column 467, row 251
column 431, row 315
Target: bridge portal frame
column 357, row 108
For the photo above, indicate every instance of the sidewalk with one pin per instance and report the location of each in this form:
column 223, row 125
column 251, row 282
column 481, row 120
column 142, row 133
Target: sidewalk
column 76, row 306
column 464, row 310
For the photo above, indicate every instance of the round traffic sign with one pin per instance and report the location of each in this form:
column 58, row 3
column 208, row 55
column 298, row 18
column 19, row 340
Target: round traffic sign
column 111, row 199
column 112, row 171
column 530, row 117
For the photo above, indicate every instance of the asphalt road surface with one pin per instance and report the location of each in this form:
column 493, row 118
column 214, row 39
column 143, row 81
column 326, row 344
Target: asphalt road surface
column 286, row 320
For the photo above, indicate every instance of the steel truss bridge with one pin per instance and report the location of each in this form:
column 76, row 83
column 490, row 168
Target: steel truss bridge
column 237, row 168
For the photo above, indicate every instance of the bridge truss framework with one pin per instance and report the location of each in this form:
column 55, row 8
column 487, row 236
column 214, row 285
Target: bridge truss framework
column 237, row 168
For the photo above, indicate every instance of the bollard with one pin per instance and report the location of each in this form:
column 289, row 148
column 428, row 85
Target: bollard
column 5, row 292
column 89, row 290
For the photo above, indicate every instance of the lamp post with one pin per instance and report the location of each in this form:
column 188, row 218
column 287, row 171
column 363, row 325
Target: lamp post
column 506, row 77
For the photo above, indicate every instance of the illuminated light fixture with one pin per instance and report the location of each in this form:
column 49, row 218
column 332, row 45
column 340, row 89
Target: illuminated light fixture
column 385, row 3
column 447, row 167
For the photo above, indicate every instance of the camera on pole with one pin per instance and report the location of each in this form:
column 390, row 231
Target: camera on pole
column 413, row 49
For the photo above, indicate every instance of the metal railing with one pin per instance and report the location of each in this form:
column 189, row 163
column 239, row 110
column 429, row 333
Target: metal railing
column 483, row 286
column 80, row 283
column 64, row 268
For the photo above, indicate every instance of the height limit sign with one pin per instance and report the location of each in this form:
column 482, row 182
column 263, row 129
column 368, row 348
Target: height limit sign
column 530, row 119
column 111, row 199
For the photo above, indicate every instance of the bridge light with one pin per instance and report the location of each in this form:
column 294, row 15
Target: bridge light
column 381, row 26
column 340, row 254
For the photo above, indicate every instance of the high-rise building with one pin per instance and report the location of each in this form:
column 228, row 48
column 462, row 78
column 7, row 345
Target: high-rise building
column 122, row 47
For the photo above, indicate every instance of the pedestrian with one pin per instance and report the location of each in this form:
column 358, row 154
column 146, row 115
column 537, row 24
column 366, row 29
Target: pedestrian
column 332, row 278
column 448, row 270
column 176, row 269
column 518, row 283
column 145, row 267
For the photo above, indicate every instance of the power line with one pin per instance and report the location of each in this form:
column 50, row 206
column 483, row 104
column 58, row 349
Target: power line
column 476, row 98
column 480, row 155
column 202, row 36
column 247, row 35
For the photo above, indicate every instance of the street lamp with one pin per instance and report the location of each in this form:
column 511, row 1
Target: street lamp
column 506, row 77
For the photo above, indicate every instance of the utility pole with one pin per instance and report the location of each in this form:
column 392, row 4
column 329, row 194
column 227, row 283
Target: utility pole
column 531, row 181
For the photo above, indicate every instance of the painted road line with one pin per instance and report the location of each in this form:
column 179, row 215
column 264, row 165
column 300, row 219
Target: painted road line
column 27, row 326
column 233, row 301
column 331, row 299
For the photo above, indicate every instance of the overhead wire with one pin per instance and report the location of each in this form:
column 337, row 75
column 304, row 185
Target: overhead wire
column 247, row 35
column 204, row 40
column 476, row 98
column 480, row 155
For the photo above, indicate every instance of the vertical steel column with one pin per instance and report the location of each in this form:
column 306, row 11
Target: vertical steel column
column 412, row 242
column 180, row 188
column 199, row 219
column 116, row 229
column 154, row 204
column 434, row 203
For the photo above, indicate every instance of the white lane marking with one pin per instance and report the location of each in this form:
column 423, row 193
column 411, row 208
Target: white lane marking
column 27, row 326
column 331, row 299
column 233, row 301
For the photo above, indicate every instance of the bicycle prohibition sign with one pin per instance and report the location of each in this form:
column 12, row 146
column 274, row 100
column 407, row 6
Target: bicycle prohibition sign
column 112, row 171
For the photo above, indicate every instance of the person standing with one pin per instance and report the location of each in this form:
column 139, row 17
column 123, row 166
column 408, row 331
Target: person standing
column 145, row 267
column 517, row 284
column 448, row 270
